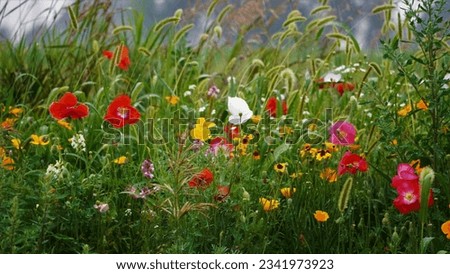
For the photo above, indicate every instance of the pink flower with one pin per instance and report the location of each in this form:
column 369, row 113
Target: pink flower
column 101, row 207
column 351, row 163
column 220, row 144
column 406, row 182
column 342, row 133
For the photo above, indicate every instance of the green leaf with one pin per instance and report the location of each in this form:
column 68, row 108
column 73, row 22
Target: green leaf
column 425, row 243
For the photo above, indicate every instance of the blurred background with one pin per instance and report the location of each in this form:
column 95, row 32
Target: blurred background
column 29, row 18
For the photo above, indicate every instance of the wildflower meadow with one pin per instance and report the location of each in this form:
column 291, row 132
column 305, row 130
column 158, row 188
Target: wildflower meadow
column 119, row 138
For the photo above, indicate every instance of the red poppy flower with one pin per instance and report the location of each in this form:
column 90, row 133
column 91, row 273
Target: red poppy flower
column 202, row 179
column 343, row 86
column 68, row 106
column 272, row 104
column 124, row 61
column 406, row 182
column 351, row 163
column 108, row 54
column 120, row 112
column 232, row 131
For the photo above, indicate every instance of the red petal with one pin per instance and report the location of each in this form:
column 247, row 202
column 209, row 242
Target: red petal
column 58, row 111
column 114, row 121
column 79, row 111
column 124, row 63
column 68, row 99
column 134, row 116
column 108, row 54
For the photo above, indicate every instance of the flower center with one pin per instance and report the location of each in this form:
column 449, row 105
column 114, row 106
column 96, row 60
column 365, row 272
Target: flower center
column 341, row 134
column 123, row 112
column 410, row 197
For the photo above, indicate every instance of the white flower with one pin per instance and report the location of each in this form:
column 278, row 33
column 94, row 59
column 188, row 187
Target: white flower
column 240, row 112
column 56, row 171
column 192, row 87
column 332, row 77
column 187, row 93
column 78, row 142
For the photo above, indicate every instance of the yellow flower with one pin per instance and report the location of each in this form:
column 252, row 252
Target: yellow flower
column 394, row 142
column 308, row 149
column 64, row 124
column 280, row 167
column 256, row 119
column 287, row 192
column 201, row 130
column 16, row 143
column 15, row 111
column 321, row 216
column 8, row 163
column 296, row 175
column 331, row 147
column 243, row 143
column 322, row 154
column 39, row 140
column 416, row 165
column 312, row 127
column 404, row 111
column 172, row 99
column 269, row 204
column 121, row 160
column 2, row 152
column 285, row 130
column 256, row 155
column 329, row 174
column 422, row 105
column 445, row 227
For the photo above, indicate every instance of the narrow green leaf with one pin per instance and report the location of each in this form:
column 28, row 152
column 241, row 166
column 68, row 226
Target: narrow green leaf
column 73, row 18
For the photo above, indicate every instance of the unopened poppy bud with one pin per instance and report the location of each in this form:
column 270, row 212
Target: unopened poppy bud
column 385, row 220
column 427, row 175
column 395, row 237
column 245, row 195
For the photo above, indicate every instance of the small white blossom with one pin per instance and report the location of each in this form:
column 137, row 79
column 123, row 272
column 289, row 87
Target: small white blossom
column 56, row 171
column 78, row 142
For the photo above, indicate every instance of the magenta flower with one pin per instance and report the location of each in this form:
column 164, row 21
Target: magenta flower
column 342, row 133
column 407, row 184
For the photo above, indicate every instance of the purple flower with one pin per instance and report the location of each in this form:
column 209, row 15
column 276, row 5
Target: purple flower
column 147, row 169
column 197, row 145
column 213, row 92
column 342, row 133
